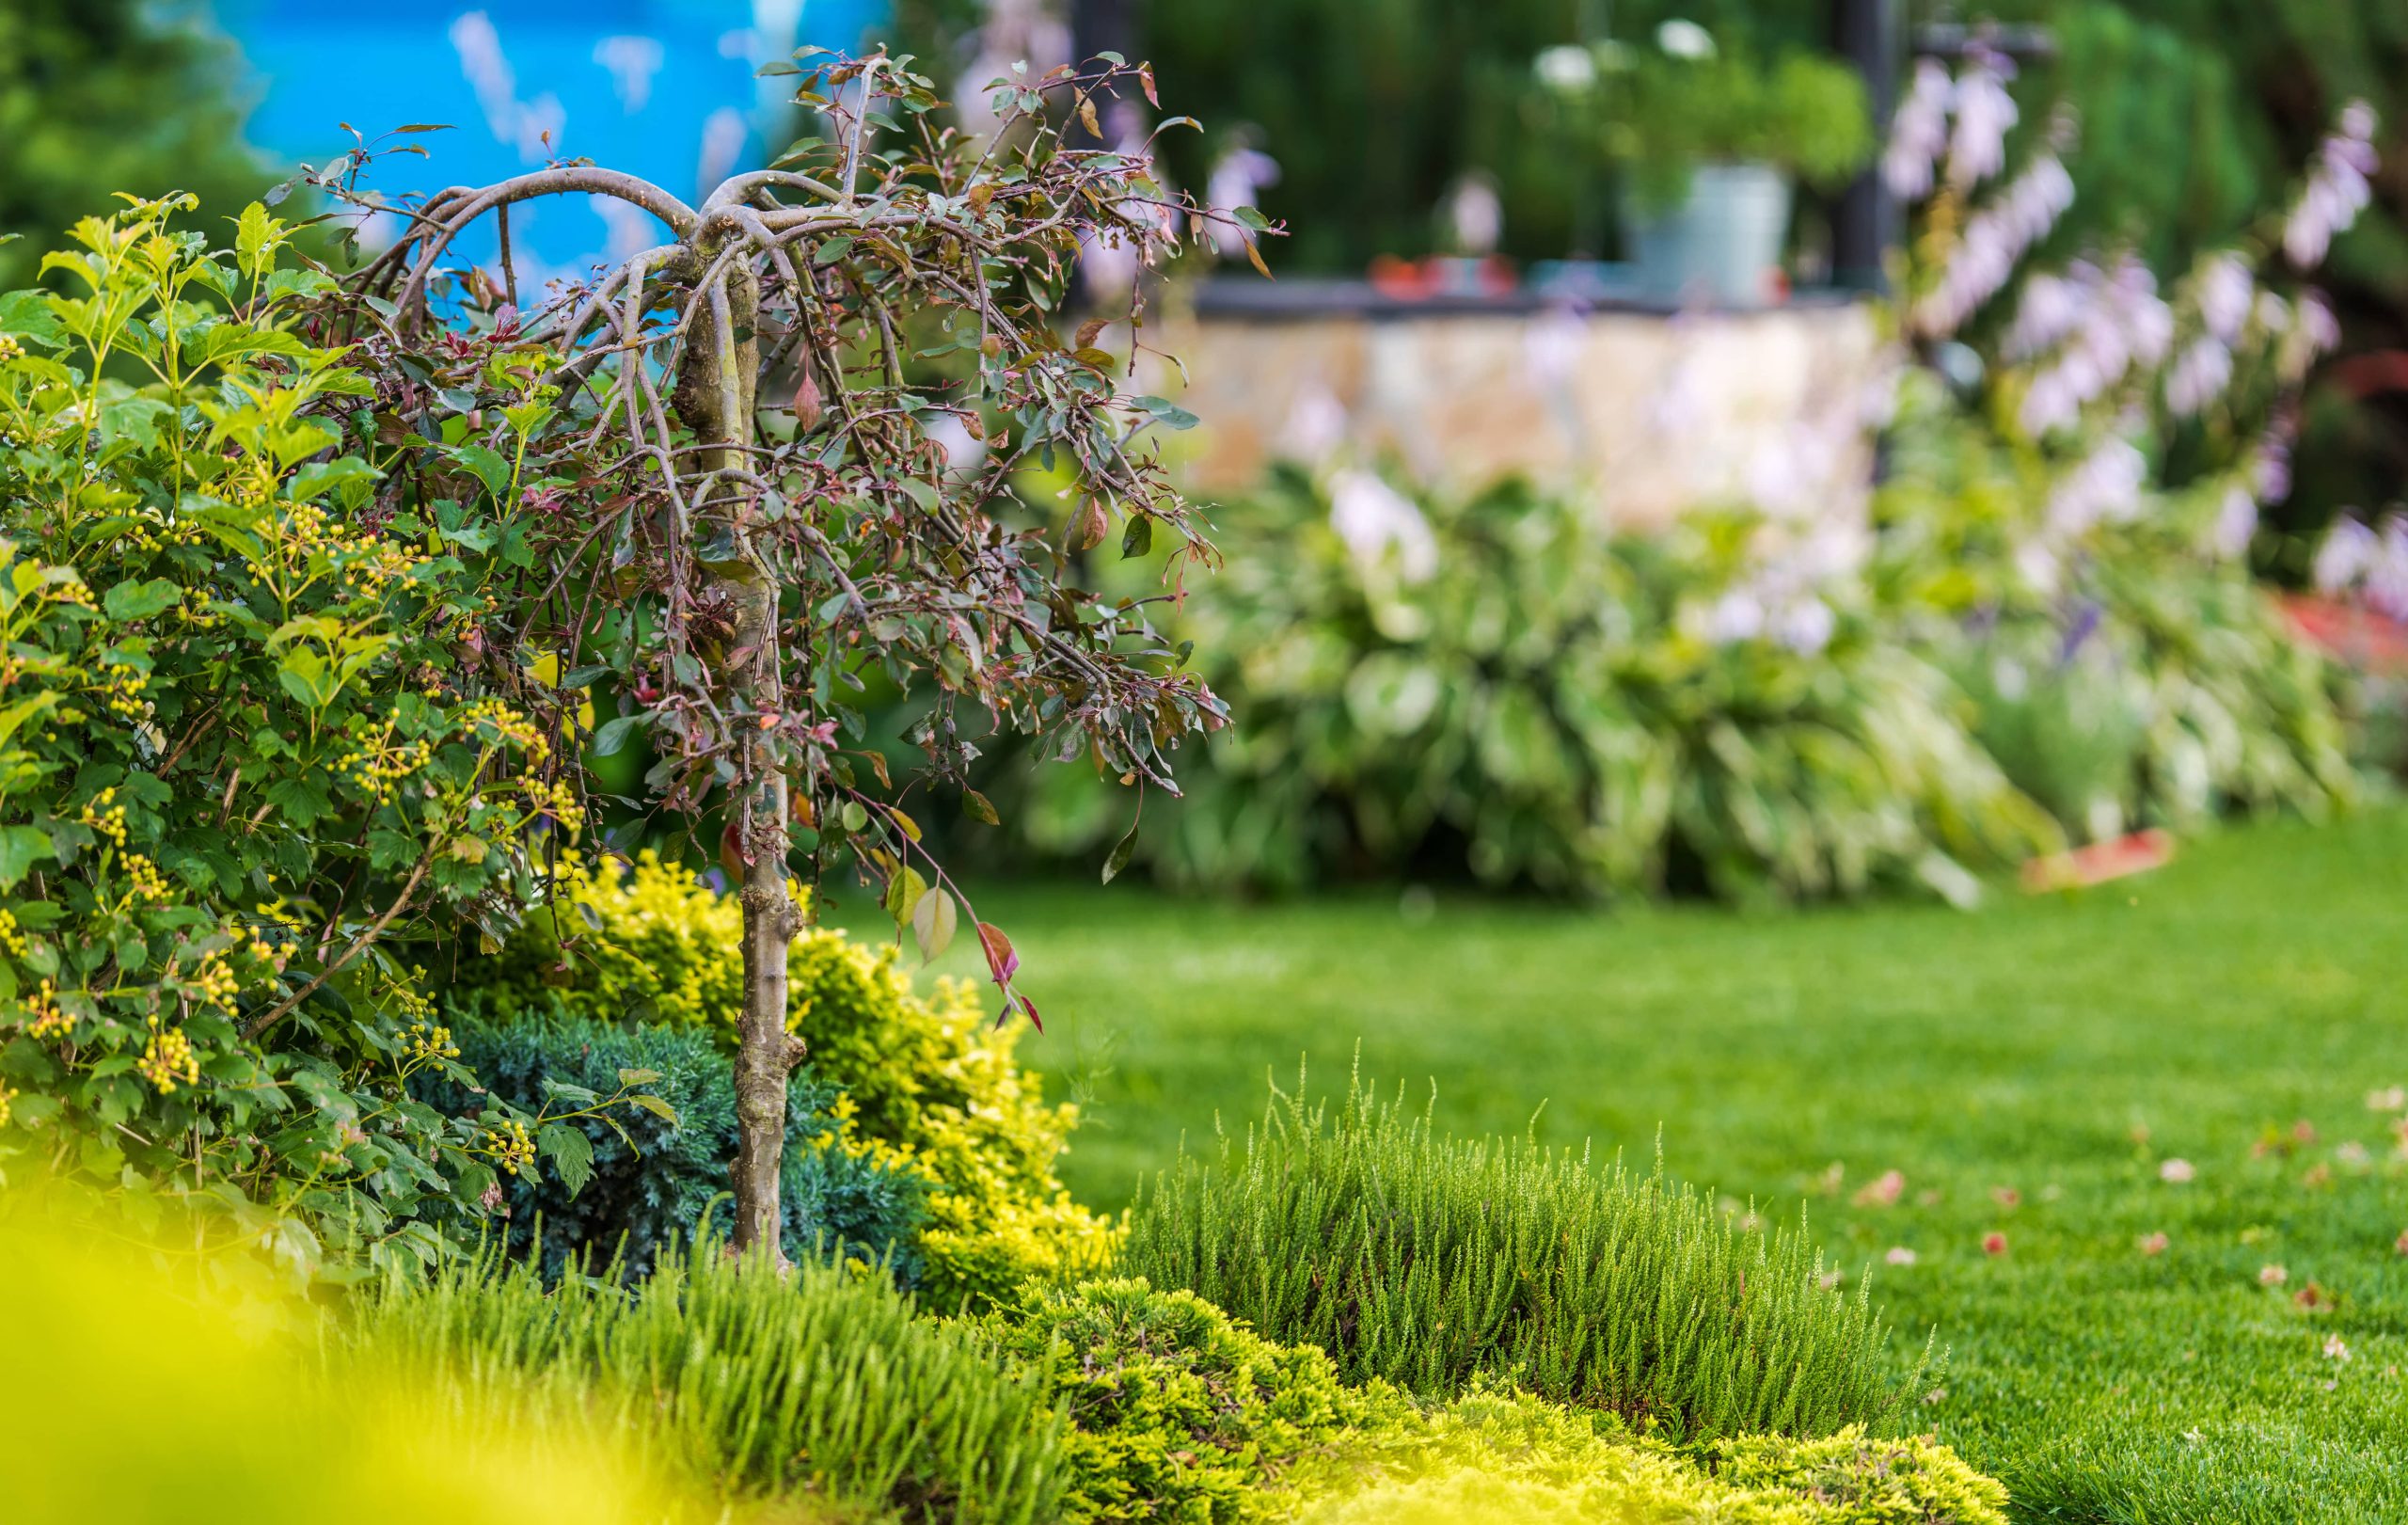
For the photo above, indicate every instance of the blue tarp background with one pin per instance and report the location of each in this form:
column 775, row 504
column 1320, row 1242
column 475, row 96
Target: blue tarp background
column 662, row 89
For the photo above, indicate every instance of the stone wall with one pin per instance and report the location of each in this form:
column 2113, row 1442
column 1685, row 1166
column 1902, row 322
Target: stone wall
column 1651, row 412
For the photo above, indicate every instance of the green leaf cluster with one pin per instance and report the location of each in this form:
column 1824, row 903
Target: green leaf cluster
column 240, row 754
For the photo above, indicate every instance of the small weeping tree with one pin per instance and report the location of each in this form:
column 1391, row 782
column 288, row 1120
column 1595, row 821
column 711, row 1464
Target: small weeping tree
column 715, row 479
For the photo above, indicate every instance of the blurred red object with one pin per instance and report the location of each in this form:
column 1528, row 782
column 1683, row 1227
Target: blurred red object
column 2351, row 634
column 1419, row 281
column 2097, row 864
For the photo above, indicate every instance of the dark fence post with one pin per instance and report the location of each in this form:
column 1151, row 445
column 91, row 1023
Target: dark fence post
column 1865, row 223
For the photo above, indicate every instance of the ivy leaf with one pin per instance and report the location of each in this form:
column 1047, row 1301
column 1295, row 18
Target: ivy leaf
column 570, row 1152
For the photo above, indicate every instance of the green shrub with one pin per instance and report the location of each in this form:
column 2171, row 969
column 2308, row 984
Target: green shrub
column 1430, row 1261
column 1493, row 1457
column 929, row 1086
column 818, row 1382
column 1860, row 1481
column 1179, row 1414
column 652, row 1177
column 2145, row 682
column 237, row 746
column 1541, row 709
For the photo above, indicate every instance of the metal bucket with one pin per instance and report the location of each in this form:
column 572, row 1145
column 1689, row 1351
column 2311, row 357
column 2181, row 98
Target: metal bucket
column 1721, row 244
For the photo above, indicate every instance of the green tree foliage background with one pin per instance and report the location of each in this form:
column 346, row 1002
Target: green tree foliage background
column 99, row 96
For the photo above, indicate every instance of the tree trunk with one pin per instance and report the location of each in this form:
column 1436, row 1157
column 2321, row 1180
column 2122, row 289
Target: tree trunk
column 715, row 398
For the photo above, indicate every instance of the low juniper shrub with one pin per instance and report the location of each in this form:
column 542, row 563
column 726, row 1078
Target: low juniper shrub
column 651, row 1177
column 1180, row 1414
column 1430, row 1261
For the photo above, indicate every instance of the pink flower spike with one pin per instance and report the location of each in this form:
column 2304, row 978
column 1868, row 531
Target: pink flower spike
column 2154, row 1245
column 1900, row 1255
column 2176, row 1171
column 2272, row 1275
column 1993, row 1242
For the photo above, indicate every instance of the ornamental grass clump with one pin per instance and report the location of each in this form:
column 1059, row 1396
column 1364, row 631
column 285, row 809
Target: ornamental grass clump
column 816, row 1382
column 1431, row 1262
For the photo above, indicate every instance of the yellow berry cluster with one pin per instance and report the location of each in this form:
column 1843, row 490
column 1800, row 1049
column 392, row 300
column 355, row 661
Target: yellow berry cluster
column 432, row 1043
column 215, row 981
column 167, row 1059
column 511, row 1147
column 247, row 489
column 413, row 1000
column 121, row 690
column 45, row 1018
column 376, row 565
column 380, row 767
column 194, row 611
column 145, row 882
column 507, row 726
column 554, row 797
column 8, row 1093
column 13, row 937
column 103, row 814
column 9, row 348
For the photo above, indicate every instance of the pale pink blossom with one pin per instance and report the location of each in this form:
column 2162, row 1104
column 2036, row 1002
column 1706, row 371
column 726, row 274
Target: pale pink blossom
column 1985, row 111
column 2176, row 1171
column 1919, row 133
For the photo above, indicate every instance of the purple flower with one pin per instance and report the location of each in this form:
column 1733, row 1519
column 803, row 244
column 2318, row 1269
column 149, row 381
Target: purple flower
column 1919, row 133
column 2226, row 295
column 2348, row 552
column 1985, row 111
column 2199, row 376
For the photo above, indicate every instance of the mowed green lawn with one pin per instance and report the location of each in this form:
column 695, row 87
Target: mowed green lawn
column 2037, row 1070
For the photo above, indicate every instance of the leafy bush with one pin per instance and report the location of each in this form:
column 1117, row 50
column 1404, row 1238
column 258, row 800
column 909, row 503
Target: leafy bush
column 818, row 1382
column 1179, row 1414
column 656, row 1175
column 1660, row 114
column 1536, row 703
column 2141, row 681
column 1865, row 1482
column 1430, row 1263
column 1492, row 1457
column 930, row 1087
column 237, row 746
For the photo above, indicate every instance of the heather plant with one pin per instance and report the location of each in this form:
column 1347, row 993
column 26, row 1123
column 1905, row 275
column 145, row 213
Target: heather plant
column 1430, row 1262
column 810, row 1383
column 904, row 1089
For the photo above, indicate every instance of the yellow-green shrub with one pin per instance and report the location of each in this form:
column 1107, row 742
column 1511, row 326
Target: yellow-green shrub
column 930, row 1084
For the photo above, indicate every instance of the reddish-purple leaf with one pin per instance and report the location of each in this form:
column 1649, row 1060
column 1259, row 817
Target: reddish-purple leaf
column 1001, row 960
